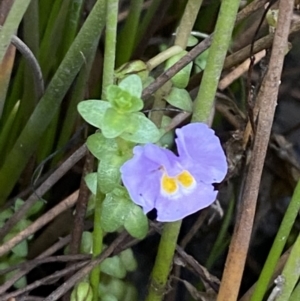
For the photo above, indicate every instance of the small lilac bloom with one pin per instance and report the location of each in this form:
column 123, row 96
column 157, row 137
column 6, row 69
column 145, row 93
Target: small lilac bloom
column 176, row 186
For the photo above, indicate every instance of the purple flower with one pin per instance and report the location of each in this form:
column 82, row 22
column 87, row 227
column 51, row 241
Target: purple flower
column 176, row 186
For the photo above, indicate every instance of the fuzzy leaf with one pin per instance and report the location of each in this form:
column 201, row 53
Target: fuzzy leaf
column 128, row 260
column 133, row 85
column 136, row 222
column 115, row 209
column 109, row 172
column 91, row 182
column 180, row 79
column 114, row 123
column 114, row 267
column 92, row 111
column 101, row 146
column 180, row 98
column 140, row 129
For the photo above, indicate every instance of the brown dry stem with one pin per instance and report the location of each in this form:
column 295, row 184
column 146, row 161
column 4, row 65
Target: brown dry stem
column 267, row 98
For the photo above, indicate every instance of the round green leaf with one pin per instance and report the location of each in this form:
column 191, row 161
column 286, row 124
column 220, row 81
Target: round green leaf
column 5, row 214
column 128, row 260
column 91, row 182
column 180, row 98
column 115, row 287
column 140, row 129
column 136, row 222
column 114, row 211
column 132, row 84
column 86, row 246
column 114, row 123
column 21, row 249
column 92, row 111
column 101, row 146
column 114, row 267
column 109, row 175
column 181, row 78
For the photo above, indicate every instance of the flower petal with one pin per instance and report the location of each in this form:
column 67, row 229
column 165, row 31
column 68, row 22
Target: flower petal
column 170, row 210
column 141, row 174
column 200, row 150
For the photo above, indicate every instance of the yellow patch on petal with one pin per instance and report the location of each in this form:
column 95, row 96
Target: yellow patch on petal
column 186, row 179
column 169, row 184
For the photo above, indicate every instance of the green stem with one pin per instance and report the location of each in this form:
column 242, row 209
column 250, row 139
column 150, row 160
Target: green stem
column 97, row 242
column 110, row 44
column 127, row 37
column 163, row 261
column 163, row 56
column 167, row 245
column 221, row 239
column 50, row 102
column 217, row 53
column 290, row 273
column 278, row 245
column 187, row 22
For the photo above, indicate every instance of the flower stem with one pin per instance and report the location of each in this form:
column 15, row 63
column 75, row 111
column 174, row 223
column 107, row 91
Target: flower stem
column 217, row 52
column 163, row 261
column 167, row 245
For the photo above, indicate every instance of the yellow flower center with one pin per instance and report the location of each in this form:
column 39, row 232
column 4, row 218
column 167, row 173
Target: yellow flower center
column 178, row 185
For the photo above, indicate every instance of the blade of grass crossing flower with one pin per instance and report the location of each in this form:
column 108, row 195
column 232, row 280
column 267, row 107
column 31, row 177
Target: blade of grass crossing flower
column 50, row 102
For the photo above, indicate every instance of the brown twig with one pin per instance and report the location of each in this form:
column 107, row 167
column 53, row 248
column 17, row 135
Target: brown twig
column 44, row 187
column 267, row 98
column 40, row 222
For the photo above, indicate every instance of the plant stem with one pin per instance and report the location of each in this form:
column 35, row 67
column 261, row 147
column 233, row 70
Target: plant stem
column 290, row 273
column 217, row 53
column 97, row 242
column 187, row 22
column 163, row 261
column 110, row 45
column 278, row 245
column 127, row 37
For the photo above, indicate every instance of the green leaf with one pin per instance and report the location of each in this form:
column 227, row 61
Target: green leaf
column 114, row 123
column 18, row 204
column 123, row 101
column 140, row 129
column 115, row 209
column 37, row 207
column 136, row 222
column 192, row 41
column 86, row 246
column 92, row 111
column 133, row 85
column 181, row 78
column 21, row 249
column 115, row 286
column 180, row 98
column 167, row 139
column 201, row 60
column 91, row 182
column 109, row 175
column 5, row 214
column 114, row 267
column 101, row 146
column 128, row 260
column 108, row 297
